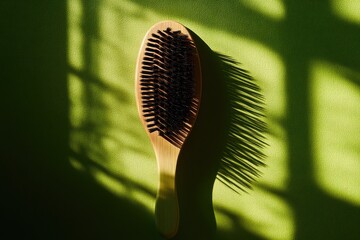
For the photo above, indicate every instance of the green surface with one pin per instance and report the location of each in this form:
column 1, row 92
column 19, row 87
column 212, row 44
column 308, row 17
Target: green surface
column 79, row 164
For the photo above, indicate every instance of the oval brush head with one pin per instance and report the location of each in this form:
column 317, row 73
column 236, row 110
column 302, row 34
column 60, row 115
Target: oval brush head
column 168, row 91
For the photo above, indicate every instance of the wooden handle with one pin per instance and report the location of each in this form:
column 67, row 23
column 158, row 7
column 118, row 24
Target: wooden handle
column 166, row 208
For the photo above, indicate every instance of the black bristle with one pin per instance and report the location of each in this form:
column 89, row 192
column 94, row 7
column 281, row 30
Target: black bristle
column 167, row 85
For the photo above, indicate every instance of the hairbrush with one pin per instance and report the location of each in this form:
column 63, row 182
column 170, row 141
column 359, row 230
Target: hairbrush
column 168, row 92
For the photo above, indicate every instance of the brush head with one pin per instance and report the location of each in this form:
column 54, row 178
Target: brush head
column 168, row 82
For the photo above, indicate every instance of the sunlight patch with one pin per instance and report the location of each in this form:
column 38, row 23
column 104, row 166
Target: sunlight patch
column 259, row 211
column 336, row 130
column 271, row 8
column 349, row 10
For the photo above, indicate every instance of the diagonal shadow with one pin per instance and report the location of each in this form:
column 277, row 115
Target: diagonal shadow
column 43, row 196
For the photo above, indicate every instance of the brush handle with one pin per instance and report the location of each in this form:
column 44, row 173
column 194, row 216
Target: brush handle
column 166, row 206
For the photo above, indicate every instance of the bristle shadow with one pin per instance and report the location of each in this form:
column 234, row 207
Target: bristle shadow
column 245, row 141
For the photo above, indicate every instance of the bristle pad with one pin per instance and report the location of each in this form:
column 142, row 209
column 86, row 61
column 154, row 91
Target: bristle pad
column 168, row 86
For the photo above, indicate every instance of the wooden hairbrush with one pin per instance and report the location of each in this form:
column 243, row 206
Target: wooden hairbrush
column 168, row 92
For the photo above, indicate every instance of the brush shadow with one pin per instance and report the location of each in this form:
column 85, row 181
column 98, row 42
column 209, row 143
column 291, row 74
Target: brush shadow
column 198, row 161
column 225, row 143
column 245, row 127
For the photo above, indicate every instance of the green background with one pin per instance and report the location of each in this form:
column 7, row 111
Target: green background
column 76, row 162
